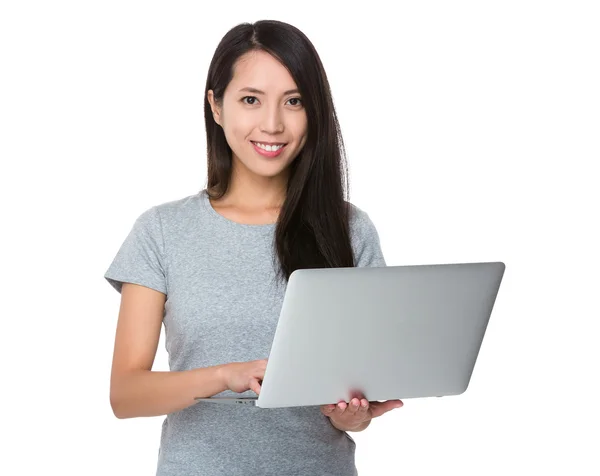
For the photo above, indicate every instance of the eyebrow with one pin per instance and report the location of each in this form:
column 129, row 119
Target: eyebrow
column 258, row 91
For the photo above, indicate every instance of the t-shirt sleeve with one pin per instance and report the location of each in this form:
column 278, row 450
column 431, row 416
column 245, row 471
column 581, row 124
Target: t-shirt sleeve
column 365, row 241
column 141, row 257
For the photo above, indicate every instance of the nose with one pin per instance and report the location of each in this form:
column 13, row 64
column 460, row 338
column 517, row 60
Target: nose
column 271, row 120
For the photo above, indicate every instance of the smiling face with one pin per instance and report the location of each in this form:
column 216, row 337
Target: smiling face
column 271, row 111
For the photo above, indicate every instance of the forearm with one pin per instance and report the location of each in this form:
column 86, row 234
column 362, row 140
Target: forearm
column 152, row 393
column 361, row 427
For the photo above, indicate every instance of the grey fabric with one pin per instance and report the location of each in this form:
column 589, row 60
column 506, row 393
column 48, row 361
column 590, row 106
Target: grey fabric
column 223, row 303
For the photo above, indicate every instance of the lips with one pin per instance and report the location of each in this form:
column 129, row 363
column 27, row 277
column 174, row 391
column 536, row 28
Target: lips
column 268, row 143
column 266, row 153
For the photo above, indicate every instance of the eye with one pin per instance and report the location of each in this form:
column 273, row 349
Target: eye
column 255, row 98
column 248, row 97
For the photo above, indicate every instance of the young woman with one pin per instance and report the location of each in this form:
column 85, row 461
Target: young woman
column 213, row 267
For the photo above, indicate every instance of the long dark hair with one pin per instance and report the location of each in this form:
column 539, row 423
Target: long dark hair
column 312, row 229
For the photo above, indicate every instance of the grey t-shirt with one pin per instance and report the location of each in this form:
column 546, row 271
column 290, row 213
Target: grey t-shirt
column 223, row 303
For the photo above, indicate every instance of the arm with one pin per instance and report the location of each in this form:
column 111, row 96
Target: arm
column 137, row 391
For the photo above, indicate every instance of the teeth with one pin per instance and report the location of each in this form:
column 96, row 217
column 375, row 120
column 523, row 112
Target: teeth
column 269, row 148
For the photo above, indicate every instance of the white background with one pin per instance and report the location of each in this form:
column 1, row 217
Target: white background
column 472, row 130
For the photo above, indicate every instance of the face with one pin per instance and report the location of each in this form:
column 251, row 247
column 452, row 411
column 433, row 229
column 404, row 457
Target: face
column 273, row 115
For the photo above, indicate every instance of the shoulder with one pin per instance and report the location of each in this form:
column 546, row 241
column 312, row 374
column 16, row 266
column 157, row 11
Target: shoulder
column 181, row 206
column 364, row 238
column 159, row 222
column 360, row 221
column 166, row 214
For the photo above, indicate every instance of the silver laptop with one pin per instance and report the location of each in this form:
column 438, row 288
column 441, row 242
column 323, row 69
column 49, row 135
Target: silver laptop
column 385, row 333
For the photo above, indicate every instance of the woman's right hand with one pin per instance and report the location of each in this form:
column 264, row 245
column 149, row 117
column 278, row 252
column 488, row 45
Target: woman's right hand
column 242, row 376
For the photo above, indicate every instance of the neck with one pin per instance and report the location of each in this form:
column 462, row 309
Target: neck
column 254, row 192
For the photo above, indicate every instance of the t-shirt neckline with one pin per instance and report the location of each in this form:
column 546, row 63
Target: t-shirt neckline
column 217, row 216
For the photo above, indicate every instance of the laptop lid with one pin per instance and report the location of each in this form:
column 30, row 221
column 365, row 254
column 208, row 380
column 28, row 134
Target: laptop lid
column 387, row 333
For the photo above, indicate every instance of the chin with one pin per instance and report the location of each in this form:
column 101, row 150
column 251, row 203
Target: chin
column 264, row 168
column 270, row 175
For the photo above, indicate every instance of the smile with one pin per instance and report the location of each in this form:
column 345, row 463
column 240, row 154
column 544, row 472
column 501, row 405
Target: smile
column 268, row 150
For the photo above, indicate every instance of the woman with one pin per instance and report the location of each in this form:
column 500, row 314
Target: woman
column 213, row 267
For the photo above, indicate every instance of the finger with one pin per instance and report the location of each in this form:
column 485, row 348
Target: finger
column 357, row 394
column 379, row 408
column 354, row 406
column 388, row 403
column 255, row 386
column 340, row 408
column 327, row 409
column 364, row 406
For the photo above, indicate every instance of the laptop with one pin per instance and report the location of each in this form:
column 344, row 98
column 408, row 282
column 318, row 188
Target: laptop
column 385, row 333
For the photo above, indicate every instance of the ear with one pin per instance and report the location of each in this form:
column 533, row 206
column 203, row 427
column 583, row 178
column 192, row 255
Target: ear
column 216, row 110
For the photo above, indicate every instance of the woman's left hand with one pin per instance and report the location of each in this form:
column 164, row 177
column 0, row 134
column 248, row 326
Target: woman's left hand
column 357, row 412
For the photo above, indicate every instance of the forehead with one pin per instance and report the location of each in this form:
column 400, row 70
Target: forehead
column 260, row 70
